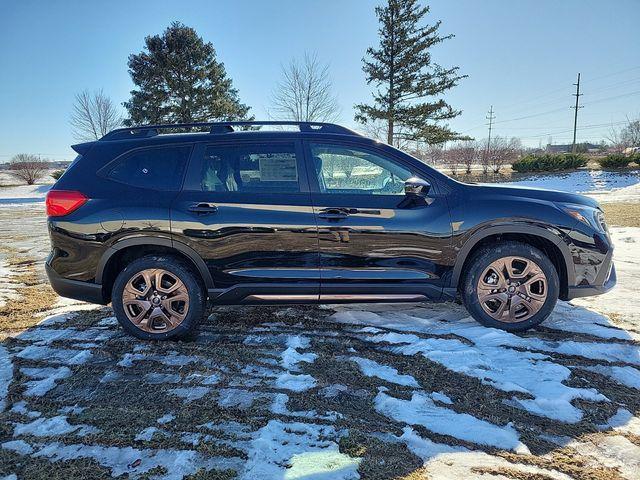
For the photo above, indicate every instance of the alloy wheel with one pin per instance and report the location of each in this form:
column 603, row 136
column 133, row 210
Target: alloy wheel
column 155, row 300
column 512, row 289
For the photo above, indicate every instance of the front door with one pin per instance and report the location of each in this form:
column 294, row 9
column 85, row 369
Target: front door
column 246, row 209
column 375, row 243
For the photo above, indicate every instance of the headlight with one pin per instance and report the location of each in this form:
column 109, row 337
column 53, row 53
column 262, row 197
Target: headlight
column 587, row 215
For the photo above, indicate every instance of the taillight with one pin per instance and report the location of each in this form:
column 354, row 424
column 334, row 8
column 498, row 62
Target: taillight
column 63, row 202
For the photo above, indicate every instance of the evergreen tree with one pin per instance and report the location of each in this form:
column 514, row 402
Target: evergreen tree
column 179, row 80
column 404, row 75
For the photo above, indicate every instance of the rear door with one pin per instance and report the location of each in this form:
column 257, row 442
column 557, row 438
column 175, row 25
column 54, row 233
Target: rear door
column 374, row 243
column 246, row 209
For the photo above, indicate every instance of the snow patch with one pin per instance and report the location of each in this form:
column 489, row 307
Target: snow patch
column 294, row 382
column 18, row 446
column 55, row 355
column 178, row 463
column 371, row 368
column 296, row 451
column 47, row 427
column 46, row 379
column 6, row 375
column 189, row 394
column 421, row 410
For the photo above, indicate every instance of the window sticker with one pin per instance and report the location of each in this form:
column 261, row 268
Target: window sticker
column 281, row 168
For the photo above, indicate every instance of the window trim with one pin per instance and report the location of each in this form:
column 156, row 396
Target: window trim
column 313, row 180
column 104, row 170
column 192, row 182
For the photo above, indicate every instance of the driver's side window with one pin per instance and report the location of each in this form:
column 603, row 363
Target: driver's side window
column 344, row 169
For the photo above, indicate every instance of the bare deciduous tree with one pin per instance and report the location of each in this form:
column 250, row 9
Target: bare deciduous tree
column 451, row 158
column 464, row 153
column 305, row 92
column 28, row 168
column 501, row 152
column 94, row 115
column 625, row 137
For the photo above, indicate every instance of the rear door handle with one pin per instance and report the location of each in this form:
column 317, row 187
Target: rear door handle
column 333, row 213
column 203, row 208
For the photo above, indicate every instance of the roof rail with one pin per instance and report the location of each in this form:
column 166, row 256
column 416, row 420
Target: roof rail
column 143, row 131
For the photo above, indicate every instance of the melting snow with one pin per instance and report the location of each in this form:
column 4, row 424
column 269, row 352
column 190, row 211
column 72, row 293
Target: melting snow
column 493, row 359
column 390, row 374
column 178, row 463
column 18, row 446
column 189, row 394
column 294, row 382
column 55, row 355
column 46, row 379
column 297, row 451
column 421, row 410
column 47, row 427
column 628, row 376
column 6, row 375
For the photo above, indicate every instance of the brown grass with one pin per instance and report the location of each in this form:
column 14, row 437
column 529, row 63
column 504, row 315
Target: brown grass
column 511, row 473
column 565, row 460
column 35, row 297
column 622, row 214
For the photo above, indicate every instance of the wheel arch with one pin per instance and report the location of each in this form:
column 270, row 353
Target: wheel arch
column 114, row 259
column 550, row 243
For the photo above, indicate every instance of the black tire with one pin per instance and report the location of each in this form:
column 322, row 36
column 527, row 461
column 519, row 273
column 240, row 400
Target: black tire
column 197, row 298
column 485, row 257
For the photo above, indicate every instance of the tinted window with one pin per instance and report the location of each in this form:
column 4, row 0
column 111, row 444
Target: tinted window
column 155, row 168
column 250, row 168
column 343, row 169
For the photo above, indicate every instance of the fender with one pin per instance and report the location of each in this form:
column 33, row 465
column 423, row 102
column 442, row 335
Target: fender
column 527, row 229
column 164, row 242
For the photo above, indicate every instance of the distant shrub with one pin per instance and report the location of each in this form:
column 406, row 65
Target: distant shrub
column 56, row 174
column 549, row 162
column 615, row 160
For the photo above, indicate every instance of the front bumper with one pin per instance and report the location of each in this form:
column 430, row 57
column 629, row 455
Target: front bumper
column 84, row 291
column 601, row 287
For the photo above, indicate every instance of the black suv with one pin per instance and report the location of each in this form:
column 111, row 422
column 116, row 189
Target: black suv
column 158, row 222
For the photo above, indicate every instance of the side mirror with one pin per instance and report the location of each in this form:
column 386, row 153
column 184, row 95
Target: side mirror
column 416, row 187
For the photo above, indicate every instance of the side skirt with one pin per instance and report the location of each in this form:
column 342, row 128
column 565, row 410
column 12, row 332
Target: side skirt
column 283, row 293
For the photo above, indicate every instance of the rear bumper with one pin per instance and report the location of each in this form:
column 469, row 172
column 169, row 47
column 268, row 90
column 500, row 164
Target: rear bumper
column 84, row 291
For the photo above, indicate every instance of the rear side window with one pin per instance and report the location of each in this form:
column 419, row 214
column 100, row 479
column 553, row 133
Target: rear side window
column 154, row 168
column 250, row 169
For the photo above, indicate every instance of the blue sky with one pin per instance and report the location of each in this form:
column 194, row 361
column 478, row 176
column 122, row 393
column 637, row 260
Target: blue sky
column 521, row 56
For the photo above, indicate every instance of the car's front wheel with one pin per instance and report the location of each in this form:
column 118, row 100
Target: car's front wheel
column 158, row 297
column 512, row 286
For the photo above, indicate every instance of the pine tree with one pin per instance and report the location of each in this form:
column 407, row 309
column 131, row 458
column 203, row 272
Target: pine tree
column 405, row 76
column 179, row 80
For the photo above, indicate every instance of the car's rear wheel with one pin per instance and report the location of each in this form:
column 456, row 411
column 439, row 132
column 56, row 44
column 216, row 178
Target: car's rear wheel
column 512, row 286
column 158, row 297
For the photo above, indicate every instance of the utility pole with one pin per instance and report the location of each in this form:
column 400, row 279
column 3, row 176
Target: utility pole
column 491, row 117
column 575, row 118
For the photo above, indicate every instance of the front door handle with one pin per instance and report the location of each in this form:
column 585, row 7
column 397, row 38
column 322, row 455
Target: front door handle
column 203, row 208
column 334, row 213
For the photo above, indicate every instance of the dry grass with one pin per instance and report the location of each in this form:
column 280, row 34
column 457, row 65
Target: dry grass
column 622, row 214
column 565, row 460
column 511, row 473
column 35, row 297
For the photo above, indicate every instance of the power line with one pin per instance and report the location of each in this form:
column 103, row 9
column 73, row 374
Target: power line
column 550, row 92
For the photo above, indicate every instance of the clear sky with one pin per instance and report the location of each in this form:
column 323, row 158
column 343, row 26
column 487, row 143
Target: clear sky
column 521, row 56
